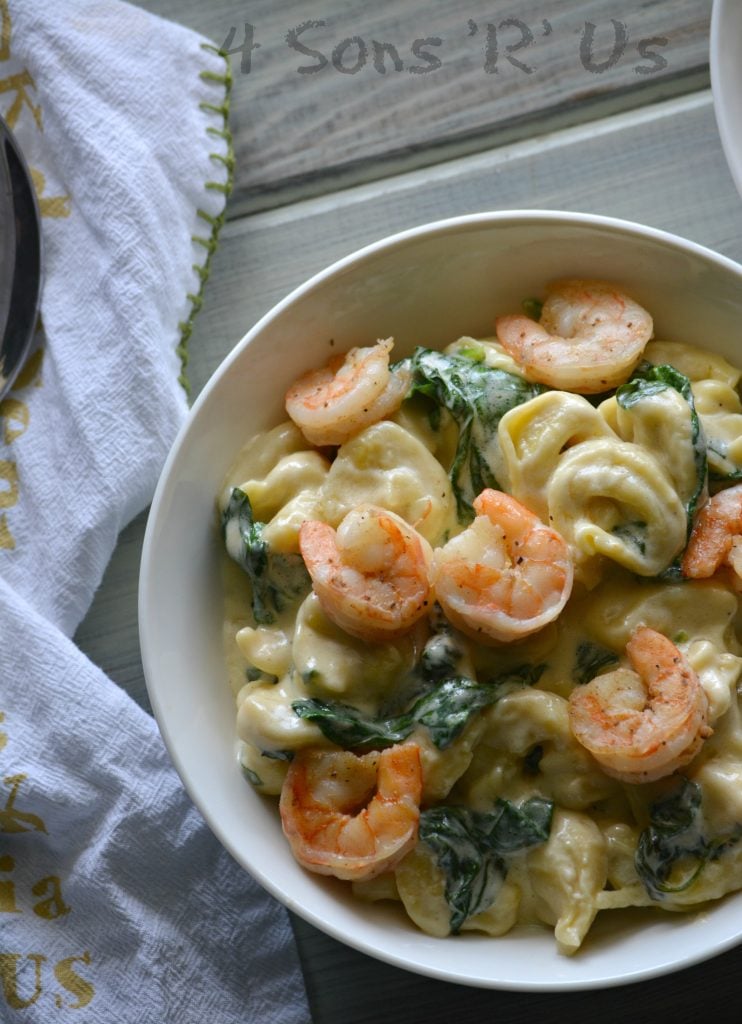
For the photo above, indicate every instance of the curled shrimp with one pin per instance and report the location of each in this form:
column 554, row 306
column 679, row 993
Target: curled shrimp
column 589, row 338
column 714, row 538
column 349, row 816
column 350, row 392
column 371, row 576
column 506, row 576
column 642, row 725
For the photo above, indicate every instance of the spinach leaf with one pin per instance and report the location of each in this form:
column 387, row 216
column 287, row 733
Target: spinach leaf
column 477, row 396
column 473, row 870
column 440, row 657
column 515, row 828
column 444, row 710
column 590, row 658
column 676, row 833
column 275, row 579
column 634, row 533
column 533, row 308
column 720, row 449
column 278, row 755
column 243, row 538
column 651, row 380
column 252, row 777
column 472, row 847
column 523, row 675
column 350, row 728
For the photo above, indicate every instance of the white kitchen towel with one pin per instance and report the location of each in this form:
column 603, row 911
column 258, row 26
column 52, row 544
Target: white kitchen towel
column 116, row 902
column 121, row 116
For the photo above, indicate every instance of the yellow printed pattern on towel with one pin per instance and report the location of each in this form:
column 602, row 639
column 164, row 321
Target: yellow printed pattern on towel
column 44, row 897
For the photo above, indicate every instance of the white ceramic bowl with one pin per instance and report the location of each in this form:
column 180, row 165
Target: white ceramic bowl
column 425, row 286
column 725, row 58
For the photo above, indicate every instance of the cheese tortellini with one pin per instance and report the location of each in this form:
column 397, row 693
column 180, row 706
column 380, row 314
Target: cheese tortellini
column 613, row 499
column 535, row 435
column 386, row 465
column 508, row 817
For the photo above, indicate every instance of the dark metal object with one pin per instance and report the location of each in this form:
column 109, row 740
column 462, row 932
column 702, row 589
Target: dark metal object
column 20, row 259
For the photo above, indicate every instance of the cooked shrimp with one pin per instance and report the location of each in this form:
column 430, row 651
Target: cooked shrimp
column 642, row 725
column 349, row 816
column 713, row 540
column 506, row 576
column 372, row 575
column 336, row 401
column 589, row 338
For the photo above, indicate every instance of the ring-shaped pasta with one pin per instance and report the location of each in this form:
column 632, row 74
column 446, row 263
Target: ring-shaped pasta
column 533, row 436
column 614, row 499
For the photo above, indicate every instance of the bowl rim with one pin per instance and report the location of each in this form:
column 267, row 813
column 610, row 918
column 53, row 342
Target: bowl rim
column 471, row 221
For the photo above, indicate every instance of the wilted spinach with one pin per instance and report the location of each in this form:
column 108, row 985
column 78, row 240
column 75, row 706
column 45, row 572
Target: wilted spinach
column 634, row 532
column 477, row 396
column 278, row 755
column 533, row 308
column 677, row 834
column 472, row 848
column 447, row 709
column 276, row 579
column 720, row 449
column 444, row 710
column 440, row 657
column 252, row 777
column 350, row 728
column 590, row 658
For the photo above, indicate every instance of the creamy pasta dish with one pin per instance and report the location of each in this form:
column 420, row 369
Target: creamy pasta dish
column 480, row 620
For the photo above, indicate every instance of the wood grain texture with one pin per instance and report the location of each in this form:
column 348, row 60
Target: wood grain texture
column 645, row 168
column 505, row 71
column 109, row 634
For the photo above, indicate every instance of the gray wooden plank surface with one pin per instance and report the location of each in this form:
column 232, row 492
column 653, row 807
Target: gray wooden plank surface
column 644, row 167
column 504, row 71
